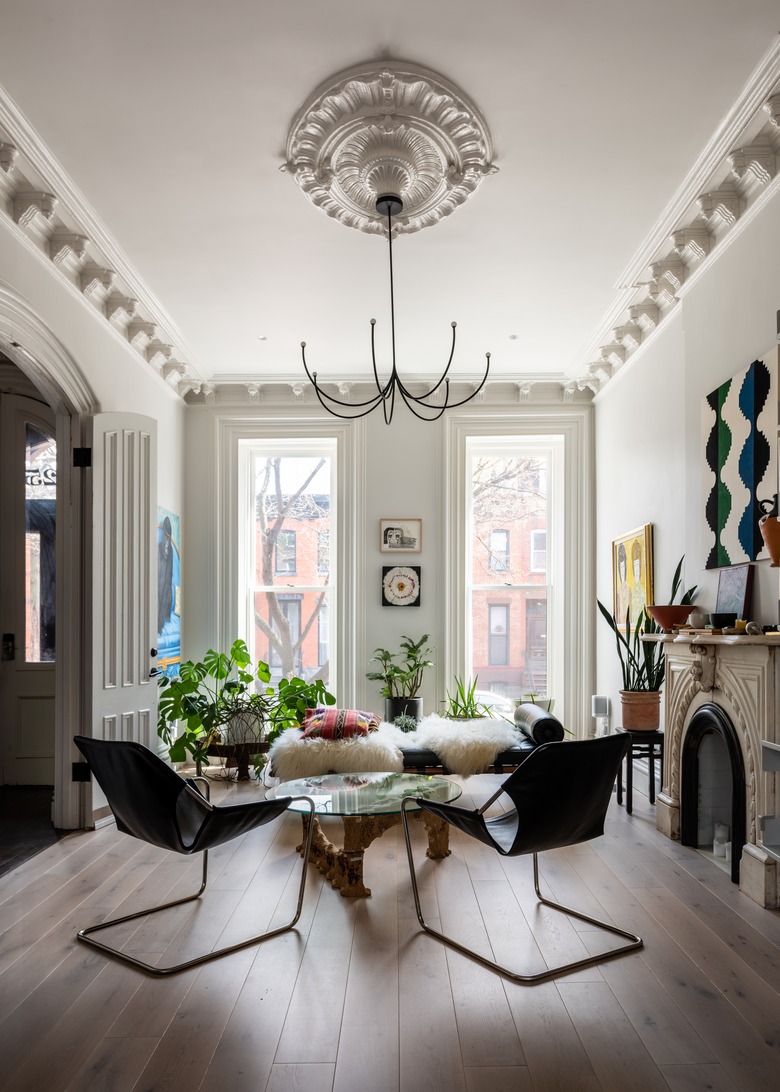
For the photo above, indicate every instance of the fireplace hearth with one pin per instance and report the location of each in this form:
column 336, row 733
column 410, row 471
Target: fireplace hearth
column 720, row 698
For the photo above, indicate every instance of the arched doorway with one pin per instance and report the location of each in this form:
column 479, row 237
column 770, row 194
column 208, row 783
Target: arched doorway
column 47, row 375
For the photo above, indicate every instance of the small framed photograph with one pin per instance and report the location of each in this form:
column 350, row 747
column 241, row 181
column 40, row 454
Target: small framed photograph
column 632, row 573
column 734, row 587
column 401, row 585
column 400, row 536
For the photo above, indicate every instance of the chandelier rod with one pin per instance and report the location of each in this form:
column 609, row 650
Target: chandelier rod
column 391, row 204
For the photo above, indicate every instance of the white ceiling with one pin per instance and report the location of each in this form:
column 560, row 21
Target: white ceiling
column 171, row 118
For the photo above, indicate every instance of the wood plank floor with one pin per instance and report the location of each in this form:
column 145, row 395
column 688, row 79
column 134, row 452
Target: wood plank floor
column 358, row 1000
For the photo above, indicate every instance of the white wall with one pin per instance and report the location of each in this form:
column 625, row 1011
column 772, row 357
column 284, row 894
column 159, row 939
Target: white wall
column 648, row 425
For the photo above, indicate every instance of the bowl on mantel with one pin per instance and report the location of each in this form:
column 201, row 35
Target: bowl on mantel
column 671, row 616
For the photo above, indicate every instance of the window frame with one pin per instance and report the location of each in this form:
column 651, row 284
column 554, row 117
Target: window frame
column 572, row 667
column 303, row 433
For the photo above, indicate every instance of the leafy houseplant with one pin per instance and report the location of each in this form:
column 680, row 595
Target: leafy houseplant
column 642, row 662
column 401, row 675
column 223, row 698
column 463, row 705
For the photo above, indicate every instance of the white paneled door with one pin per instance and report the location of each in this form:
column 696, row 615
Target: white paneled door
column 124, row 580
column 28, row 520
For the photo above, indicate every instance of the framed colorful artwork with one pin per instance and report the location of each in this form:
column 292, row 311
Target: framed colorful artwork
column 397, row 536
column 401, row 585
column 632, row 573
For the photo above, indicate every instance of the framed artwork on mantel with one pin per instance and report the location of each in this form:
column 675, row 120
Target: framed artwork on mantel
column 632, row 573
column 734, row 587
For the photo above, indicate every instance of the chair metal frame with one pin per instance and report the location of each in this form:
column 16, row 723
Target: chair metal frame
column 86, row 937
column 635, row 941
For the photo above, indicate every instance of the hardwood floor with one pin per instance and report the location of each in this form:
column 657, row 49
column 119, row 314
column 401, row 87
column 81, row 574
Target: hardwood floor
column 358, row 1000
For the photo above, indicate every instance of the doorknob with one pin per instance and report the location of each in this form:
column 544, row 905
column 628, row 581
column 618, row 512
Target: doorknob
column 9, row 647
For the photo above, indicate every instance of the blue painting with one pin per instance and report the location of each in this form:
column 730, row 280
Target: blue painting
column 740, row 468
column 168, row 592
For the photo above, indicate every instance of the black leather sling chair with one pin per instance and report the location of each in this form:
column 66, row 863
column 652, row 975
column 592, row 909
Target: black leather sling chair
column 151, row 802
column 560, row 795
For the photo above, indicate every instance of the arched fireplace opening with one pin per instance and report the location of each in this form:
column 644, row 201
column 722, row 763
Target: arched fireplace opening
column 712, row 785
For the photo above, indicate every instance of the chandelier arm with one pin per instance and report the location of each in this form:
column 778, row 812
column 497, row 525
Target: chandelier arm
column 373, row 401
column 412, row 404
column 474, row 393
column 446, row 370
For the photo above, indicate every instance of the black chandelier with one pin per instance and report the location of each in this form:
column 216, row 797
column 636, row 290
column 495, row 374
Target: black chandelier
column 391, row 205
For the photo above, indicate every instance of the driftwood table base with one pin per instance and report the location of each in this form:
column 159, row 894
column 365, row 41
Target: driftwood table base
column 344, row 867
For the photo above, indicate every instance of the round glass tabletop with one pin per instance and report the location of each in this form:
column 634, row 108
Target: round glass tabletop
column 364, row 793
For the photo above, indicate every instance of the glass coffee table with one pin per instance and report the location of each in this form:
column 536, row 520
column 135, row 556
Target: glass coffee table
column 368, row 804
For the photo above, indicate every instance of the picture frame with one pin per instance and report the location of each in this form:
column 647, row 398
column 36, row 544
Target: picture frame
column 400, row 536
column 401, row 585
column 735, row 586
column 632, row 573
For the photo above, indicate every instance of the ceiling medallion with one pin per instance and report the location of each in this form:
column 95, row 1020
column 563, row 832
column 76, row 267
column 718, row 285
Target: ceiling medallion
column 388, row 127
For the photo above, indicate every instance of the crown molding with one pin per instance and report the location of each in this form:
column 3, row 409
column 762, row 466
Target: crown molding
column 42, row 204
column 731, row 181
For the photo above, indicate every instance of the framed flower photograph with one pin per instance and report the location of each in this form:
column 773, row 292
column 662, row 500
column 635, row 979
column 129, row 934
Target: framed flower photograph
column 401, row 585
column 632, row 573
column 397, row 536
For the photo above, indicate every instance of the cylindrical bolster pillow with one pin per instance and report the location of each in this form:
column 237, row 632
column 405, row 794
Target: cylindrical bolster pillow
column 537, row 724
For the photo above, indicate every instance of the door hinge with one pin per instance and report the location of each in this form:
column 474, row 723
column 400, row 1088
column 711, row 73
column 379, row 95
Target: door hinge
column 82, row 456
column 80, row 771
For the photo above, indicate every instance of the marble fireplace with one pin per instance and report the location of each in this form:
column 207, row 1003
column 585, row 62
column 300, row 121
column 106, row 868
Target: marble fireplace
column 725, row 690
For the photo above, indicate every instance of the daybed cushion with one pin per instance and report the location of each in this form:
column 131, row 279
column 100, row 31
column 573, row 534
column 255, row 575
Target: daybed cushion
column 338, row 723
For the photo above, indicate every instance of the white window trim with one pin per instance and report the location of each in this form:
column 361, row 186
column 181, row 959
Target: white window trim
column 574, row 660
column 228, row 564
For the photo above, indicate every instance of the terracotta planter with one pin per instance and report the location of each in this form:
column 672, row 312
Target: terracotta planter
column 670, row 616
column 769, row 526
column 641, row 710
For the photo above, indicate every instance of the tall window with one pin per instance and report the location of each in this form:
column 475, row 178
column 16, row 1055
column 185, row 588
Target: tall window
column 509, row 485
column 291, row 522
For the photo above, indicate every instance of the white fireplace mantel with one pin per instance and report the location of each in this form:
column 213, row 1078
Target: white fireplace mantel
column 741, row 674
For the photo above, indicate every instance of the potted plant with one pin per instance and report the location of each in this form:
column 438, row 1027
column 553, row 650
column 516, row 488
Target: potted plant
column 671, row 615
column 642, row 662
column 463, row 704
column 223, row 705
column 401, row 675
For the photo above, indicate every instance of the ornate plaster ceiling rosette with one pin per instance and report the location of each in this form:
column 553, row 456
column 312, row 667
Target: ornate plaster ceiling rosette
column 388, row 127
column 401, row 586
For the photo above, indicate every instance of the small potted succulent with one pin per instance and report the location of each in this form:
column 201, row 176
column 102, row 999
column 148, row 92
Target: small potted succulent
column 401, row 675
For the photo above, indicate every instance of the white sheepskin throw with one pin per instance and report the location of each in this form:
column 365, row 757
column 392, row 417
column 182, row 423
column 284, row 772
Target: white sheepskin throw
column 465, row 748
column 291, row 757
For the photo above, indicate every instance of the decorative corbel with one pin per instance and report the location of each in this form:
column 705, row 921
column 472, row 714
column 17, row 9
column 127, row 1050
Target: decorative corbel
column 345, row 391
column 692, row 244
column 121, row 309
column 64, row 245
column 140, row 333
column 158, row 352
column 9, row 153
column 298, row 391
column 756, row 163
column 772, row 107
column 703, row 671
column 253, row 390
column 173, row 373
column 645, row 315
column 32, row 204
column 720, row 206
column 613, row 354
column 523, row 389
column 96, row 281
column 629, row 335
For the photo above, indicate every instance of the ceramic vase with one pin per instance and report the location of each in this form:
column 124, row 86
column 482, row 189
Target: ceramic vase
column 769, row 526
